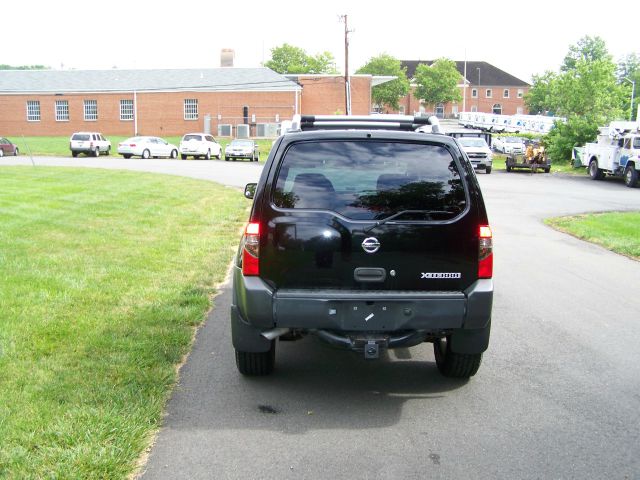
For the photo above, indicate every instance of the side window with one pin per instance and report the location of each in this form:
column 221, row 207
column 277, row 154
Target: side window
column 636, row 143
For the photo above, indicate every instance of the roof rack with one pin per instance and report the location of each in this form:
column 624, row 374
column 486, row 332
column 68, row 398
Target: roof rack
column 364, row 122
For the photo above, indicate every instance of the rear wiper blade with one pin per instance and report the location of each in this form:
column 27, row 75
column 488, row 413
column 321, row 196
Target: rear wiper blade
column 405, row 212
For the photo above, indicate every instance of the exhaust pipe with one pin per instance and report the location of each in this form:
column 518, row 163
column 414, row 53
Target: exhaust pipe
column 275, row 333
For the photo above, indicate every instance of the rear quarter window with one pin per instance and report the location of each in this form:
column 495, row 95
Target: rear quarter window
column 81, row 137
column 366, row 180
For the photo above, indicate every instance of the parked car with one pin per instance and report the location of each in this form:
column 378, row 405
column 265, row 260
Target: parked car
column 147, row 147
column 89, row 143
column 513, row 145
column 369, row 238
column 242, row 149
column 199, row 145
column 478, row 152
column 8, row 148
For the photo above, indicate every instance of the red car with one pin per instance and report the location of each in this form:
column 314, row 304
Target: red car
column 7, row 148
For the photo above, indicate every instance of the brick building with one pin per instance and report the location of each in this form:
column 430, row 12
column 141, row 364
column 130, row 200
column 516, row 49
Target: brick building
column 486, row 89
column 169, row 102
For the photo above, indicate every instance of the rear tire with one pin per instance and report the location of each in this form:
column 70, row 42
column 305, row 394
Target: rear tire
column 174, row 154
column 108, row 151
column 208, row 155
column 96, row 152
column 146, row 154
column 630, row 176
column 126, row 155
column 1, row 153
column 74, row 154
column 183, row 156
column 16, row 152
column 256, row 363
column 455, row 365
column 594, row 172
column 487, row 170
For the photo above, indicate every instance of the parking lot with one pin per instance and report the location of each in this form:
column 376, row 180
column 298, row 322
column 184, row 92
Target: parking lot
column 556, row 396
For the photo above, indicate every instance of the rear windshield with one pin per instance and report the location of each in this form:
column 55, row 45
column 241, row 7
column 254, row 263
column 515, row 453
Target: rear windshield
column 186, row 138
column 472, row 142
column 81, row 136
column 371, row 180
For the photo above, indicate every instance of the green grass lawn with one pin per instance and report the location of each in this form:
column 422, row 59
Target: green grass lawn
column 103, row 277
column 617, row 231
column 59, row 146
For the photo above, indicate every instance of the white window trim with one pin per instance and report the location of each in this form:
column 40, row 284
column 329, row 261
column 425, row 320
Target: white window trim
column 520, row 93
column 474, row 93
column 488, row 93
column 191, row 109
column 34, row 103
column 506, row 93
column 86, row 104
column 62, row 104
column 122, row 110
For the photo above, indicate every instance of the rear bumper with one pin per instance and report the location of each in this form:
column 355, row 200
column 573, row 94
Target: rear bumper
column 256, row 304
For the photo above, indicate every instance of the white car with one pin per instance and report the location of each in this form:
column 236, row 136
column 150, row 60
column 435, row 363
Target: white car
column 198, row 145
column 513, row 145
column 246, row 149
column 478, row 152
column 147, row 147
column 89, row 143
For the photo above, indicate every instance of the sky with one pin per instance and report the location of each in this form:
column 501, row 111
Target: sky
column 521, row 38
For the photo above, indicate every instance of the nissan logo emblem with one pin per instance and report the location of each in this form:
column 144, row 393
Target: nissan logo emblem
column 371, row 245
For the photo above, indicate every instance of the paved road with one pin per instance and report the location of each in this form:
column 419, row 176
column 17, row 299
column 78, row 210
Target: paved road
column 557, row 396
column 228, row 173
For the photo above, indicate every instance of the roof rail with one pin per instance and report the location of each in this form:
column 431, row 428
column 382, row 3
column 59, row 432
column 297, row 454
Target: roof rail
column 364, row 122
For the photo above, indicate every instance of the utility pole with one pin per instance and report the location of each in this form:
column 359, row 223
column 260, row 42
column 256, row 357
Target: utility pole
column 347, row 85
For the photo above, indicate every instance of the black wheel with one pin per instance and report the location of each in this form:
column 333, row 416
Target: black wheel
column 226, row 159
column 487, row 170
column 146, row 154
column 547, row 169
column 96, row 152
column 508, row 167
column 208, row 155
column 219, row 156
column 126, row 155
column 74, row 154
column 16, row 152
column 630, row 176
column 594, row 172
column 183, row 156
column 455, row 365
column 256, row 363
column 174, row 154
column 108, row 151
column 1, row 153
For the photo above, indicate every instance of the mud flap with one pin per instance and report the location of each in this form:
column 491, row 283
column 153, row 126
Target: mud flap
column 471, row 340
column 245, row 337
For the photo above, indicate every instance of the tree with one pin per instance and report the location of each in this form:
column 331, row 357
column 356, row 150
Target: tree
column 628, row 72
column 588, row 49
column 538, row 99
column 389, row 92
column 438, row 83
column 290, row 59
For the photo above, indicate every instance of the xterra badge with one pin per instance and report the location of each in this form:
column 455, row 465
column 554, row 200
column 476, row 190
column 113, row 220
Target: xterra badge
column 440, row 275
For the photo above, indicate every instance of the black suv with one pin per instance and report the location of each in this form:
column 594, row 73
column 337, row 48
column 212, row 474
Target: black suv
column 367, row 235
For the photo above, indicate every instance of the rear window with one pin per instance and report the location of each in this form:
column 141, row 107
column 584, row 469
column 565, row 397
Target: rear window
column 186, row 138
column 371, row 180
column 81, row 137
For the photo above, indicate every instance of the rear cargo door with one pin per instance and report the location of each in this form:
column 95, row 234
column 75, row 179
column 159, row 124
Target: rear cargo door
column 369, row 214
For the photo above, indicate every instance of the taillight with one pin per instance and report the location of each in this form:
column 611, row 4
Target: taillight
column 485, row 252
column 251, row 250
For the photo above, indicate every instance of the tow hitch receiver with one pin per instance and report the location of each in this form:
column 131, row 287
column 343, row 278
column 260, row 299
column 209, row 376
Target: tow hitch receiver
column 371, row 350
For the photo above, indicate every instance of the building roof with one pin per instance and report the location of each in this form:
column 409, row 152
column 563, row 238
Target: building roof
column 375, row 79
column 489, row 74
column 197, row 79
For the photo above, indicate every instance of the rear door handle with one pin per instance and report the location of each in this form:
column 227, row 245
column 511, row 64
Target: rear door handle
column 370, row 275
